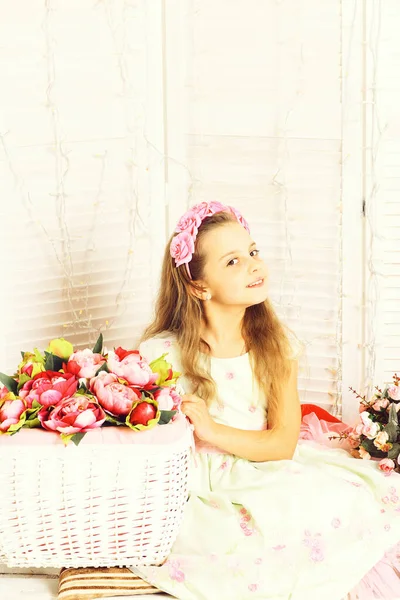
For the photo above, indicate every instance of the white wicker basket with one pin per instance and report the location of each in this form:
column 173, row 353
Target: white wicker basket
column 92, row 505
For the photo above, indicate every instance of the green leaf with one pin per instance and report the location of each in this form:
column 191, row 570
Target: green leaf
column 38, row 356
column 370, row 447
column 66, row 438
column 394, row 452
column 23, row 379
column 31, row 423
column 53, row 362
column 23, row 355
column 103, row 367
column 392, row 428
column 9, row 382
column 166, row 416
column 77, row 437
column 98, row 347
column 113, row 420
column 164, row 368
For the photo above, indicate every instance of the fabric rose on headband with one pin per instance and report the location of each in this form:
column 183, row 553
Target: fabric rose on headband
column 240, row 218
column 182, row 248
column 182, row 245
column 189, row 222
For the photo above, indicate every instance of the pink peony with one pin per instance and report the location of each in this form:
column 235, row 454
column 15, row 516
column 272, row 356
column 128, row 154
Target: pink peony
column 10, row 412
column 129, row 365
column 116, row 398
column 387, row 465
column 31, row 364
column 84, row 363
column 77, row 414
column 182, row 248
column 394, row 392
column 167, row 399
column 49, row 388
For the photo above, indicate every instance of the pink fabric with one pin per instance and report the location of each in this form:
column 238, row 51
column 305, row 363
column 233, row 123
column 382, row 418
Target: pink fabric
column 161, row 434
column 318, row 430
column 382, row 582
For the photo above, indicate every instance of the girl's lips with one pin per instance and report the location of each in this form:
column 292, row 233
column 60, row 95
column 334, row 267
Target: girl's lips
column 257, row 285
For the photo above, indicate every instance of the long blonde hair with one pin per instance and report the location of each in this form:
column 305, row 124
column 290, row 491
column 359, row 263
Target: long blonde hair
column 179, row 311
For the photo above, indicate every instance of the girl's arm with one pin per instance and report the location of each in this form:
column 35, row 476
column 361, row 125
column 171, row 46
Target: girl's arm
column 276, row 443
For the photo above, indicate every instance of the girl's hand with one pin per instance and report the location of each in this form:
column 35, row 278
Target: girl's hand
column 196, row 410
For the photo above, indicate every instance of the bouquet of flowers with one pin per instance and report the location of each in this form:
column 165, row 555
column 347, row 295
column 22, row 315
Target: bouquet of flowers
column 72, row 392
column 377, row 436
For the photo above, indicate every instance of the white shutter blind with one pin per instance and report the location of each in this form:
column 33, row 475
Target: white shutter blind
column 255, row 117
column 382, row 95
column 80, row 175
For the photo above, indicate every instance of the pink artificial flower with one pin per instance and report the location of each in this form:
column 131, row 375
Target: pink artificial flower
column 387, row 465
column 132, row 367
column 240, row 218
column 362, row 407
column 175, row 571
column 49, row 388
column 381, row 439
column 202, row 209
column 116, row 398
column 370, row 428
column 364, row 454
column 84, row 363
column 77, row 414
column 190, row 222
column 10, row 412
column 216, row 207
column 182, row 248
column 394, row 392
column 354, row 440
column 167, row 399
column 380, row 404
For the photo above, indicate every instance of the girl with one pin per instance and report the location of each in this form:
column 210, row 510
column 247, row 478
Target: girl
column 269, row 517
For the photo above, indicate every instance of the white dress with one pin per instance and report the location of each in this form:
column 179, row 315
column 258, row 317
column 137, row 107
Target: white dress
column 309, row 528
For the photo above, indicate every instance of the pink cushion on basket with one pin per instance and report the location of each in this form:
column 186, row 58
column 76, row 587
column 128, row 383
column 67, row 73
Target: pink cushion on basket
column 162, row 434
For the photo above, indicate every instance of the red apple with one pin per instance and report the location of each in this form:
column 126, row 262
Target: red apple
column 143, row 413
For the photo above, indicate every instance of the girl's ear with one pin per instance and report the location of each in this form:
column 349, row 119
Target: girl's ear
column 200, row 291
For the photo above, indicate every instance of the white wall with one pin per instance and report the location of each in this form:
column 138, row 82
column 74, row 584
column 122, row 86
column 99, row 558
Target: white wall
column 115, row 116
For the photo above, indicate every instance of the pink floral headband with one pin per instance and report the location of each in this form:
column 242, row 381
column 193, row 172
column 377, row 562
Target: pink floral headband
column 182, row 245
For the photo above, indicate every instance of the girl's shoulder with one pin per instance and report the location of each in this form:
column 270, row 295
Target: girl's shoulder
column 158, row 345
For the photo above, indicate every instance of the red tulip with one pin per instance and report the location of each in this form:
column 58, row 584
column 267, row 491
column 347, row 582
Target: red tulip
column 142, row 413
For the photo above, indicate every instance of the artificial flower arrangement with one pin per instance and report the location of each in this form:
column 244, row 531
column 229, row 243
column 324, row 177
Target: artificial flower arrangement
column 377, row 436
column 72, row 392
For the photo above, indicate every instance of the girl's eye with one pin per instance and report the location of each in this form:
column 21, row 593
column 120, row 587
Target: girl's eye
column 231, row 262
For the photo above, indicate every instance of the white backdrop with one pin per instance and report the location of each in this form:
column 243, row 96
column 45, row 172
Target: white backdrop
column 116, row 116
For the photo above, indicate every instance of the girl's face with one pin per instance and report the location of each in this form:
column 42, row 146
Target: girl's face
column 232, row 264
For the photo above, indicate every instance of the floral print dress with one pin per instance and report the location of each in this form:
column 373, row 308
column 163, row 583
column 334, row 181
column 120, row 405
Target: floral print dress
column 310, row 528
